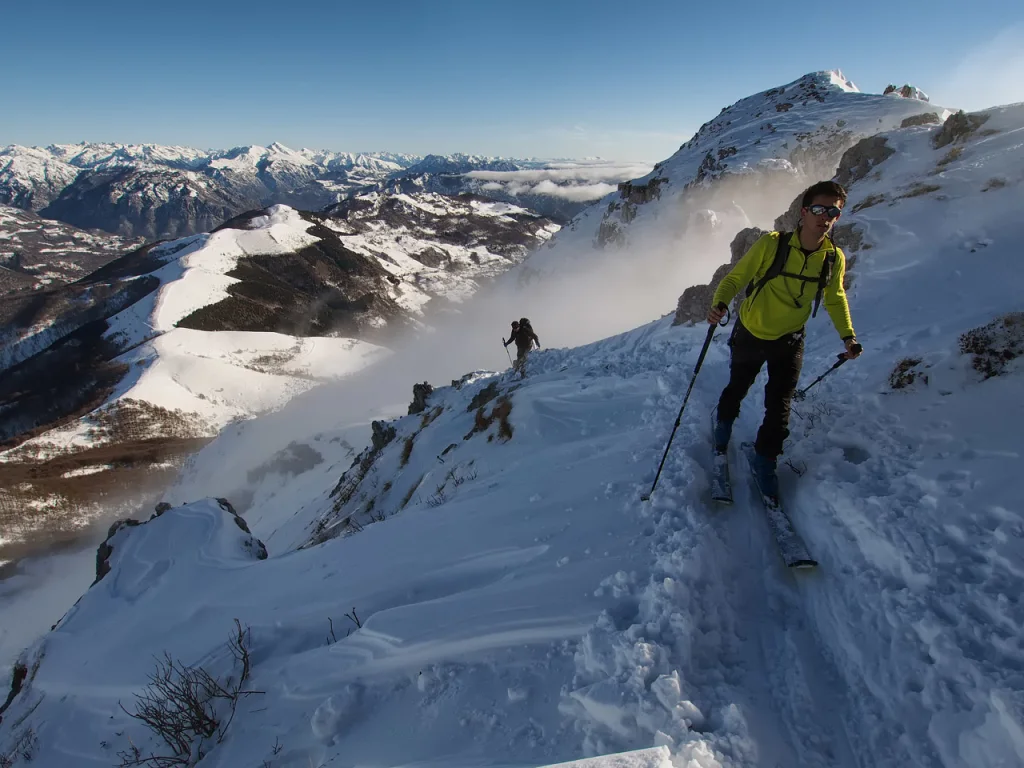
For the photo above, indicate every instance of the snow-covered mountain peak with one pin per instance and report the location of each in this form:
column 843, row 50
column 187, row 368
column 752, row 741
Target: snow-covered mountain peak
column 773, row 142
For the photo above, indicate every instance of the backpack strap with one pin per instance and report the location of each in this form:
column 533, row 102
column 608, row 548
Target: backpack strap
column 775, row 268
column 825, row 277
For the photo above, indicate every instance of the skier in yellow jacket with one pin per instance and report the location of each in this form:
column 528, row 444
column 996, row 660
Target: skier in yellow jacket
column 770, row 326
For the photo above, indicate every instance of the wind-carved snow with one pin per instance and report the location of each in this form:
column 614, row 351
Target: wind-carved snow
column 503, row 598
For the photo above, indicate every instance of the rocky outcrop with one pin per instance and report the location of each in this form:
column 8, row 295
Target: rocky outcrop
column 858, row 161
column 254, row 546
column 382, row 435
column 958, row 126
column 693, row 305
column 106, row 549
column 925, row 118
column 638, row 194
column 906, row 91
column 420, row 393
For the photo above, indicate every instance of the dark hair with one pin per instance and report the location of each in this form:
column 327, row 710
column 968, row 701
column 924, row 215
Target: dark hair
column 830, row 188
column 515, row 323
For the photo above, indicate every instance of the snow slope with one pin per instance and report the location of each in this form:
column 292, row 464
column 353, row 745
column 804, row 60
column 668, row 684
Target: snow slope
column 501, row 597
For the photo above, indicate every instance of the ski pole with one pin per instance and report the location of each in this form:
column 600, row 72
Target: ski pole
column 506, row 351
column 841, row 358
column 696, row 370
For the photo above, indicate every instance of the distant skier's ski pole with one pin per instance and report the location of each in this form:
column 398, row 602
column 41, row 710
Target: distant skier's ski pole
column 696, row 370
column 507, row 352
column 842, row 358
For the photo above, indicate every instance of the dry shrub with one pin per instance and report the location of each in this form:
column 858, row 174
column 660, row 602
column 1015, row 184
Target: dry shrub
column 410, row 492
column 996, row 344
column 952, row 156
column 868, row 202
column 904, row 374
column 919, row 189
column 407, row 449
column 188, row 708
column 431, row 415
column 483, row 420
column 994, row 183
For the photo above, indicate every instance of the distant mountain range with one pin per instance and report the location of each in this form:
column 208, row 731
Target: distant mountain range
column 159, row 192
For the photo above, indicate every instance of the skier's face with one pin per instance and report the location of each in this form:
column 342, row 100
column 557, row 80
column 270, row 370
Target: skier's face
column 818, row 217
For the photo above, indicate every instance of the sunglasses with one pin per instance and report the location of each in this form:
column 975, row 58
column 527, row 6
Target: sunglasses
column 832, row 211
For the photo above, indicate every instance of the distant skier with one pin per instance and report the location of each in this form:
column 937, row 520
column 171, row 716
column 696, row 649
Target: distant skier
column 785, row 281
column 525, row 338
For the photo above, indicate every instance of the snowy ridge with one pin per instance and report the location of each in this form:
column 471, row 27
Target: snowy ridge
column 485, row 581
column 214, row 376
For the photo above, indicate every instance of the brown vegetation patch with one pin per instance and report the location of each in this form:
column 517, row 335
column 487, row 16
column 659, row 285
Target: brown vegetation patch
column 500, row 412
column 919, row 189
column 868, row 202
column 50, row 496
column 430, row 416
column 410, row 492
column 904, row 374
column 994, row 183
column 995, row 345
column 407, row 450
column 952, row 156
column 925, row 118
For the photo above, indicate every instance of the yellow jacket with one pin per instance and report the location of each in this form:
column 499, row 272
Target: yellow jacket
column 784, row 304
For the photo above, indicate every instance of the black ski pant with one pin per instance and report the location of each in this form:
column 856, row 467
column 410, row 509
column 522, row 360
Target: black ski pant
column 785, row 357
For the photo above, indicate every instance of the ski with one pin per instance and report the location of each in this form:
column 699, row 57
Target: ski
column 721, row 486
column 791, row 546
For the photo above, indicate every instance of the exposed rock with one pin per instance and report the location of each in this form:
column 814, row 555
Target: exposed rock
column 432, row 257
column 382, row 435
column 638, row 194
column 420, row 393
column 858, row 160
column 958, row 126
column 907, row 92
column 483, row 397
column 693, row 305
column 18, row 675
column 925, row 118
column 609, row 232
column 105, row 550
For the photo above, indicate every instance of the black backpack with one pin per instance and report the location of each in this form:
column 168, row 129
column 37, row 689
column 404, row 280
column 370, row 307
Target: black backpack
column 779, row 263
column 525, row 324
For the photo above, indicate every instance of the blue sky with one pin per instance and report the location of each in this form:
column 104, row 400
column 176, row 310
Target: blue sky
column 561, row 78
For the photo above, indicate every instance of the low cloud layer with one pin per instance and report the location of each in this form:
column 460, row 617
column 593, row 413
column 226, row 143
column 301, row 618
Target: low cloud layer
column 578, row 181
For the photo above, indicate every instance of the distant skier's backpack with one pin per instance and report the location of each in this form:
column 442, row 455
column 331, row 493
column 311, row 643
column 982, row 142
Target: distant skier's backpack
column 525, row 324
column 775, row 269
